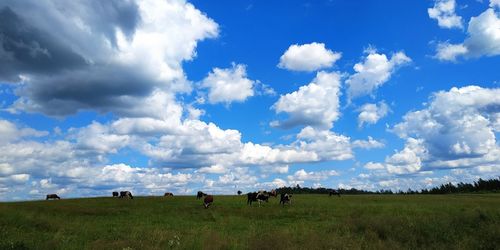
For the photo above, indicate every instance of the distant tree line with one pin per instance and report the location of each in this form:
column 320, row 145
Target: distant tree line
column 480, row 186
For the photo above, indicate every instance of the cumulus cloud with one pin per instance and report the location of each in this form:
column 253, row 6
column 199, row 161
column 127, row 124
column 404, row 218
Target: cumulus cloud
column 483, row 38
column 374, row 166
column 450, row 52
column 280, row 169
column 408, row 160
column 373, row 72
column 301, row 175
column 444, row 12
column 308, row 57
column 315, row 104
column 132, row 52
column 367, row 144
column 99, row 138
column 15, row 179
column 10, row 132
column 326, row 144
column 371, row 113
column 214, row 169
column 456, row 129
column 228, row 85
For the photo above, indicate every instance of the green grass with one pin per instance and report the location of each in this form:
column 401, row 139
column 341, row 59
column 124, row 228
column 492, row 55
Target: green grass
column 311, row 222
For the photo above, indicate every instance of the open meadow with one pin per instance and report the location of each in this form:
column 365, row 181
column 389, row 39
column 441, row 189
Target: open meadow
column 310, row 222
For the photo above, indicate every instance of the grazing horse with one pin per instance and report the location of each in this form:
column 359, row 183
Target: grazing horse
column 200, row 194
column 334, row 192
column 168, row 194
column 286, row 198
column 115, row 194
column 260, row 197
column 52, row 196
column 126, row 194
column 209, row 199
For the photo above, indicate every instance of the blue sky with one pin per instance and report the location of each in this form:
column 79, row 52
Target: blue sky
column 180, row 96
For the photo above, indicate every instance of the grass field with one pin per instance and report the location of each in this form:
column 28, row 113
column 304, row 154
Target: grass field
column 311, row 222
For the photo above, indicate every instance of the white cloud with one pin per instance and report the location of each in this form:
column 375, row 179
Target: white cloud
column 483, row 38
column 456, row 129
column 302, row 175
column 371, row 113
column 214, row 169
column 494, row 3
column 228, row 85
column 193, row 144
column 315, row 104
column 99, row 138
column 280, row 169
column 450, row 52
column 279, row 182
column 10, row 132
column 308, row 57
column 326, row 144
column 408, row 160
column 367, row 144
column 16, row 179
column 484, row 34
column 444, row 12
column 47, row 184
column 374, row 166
column 256, row 154
column 373, row 72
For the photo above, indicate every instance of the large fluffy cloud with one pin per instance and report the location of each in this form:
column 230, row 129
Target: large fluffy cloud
column 137, row 48
column 327, row 144
column 228, row 85
column 370, row 113
column 308, row 57
column 373, row 72
column 483, row 38
column 457, row 129
column 444, row 12
column 315, row 104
